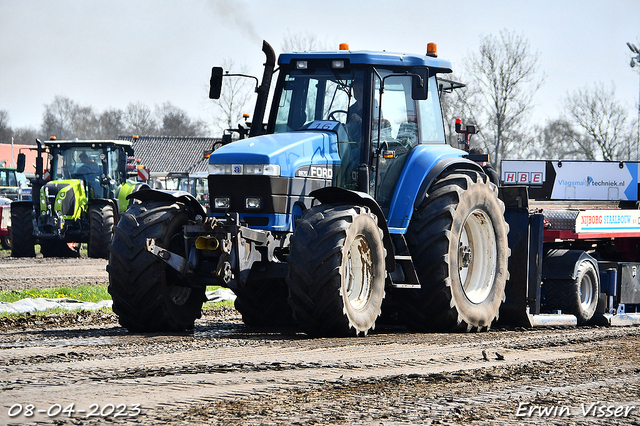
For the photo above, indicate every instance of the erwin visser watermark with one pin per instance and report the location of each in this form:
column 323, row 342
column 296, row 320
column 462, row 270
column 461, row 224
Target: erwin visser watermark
column 595, row 409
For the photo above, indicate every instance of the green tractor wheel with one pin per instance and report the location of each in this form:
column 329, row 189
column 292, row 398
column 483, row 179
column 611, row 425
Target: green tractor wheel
column 102, row 220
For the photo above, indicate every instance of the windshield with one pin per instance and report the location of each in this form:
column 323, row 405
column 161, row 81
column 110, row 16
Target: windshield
column 8, row 178
column 76, row 162
column 322, row 94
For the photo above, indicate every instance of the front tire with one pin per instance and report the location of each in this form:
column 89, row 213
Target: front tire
column 101, row 220
column 23, row 240
column 336, row 271
column 148, row 295
column 458, row 240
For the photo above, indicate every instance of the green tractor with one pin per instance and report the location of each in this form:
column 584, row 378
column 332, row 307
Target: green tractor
column 76, row 199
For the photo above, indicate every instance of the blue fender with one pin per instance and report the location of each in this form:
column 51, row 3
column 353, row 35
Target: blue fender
column 334, row 194
column 424, row 165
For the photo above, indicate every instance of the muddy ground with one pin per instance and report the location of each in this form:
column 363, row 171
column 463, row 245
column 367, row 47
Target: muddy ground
column 85, row 369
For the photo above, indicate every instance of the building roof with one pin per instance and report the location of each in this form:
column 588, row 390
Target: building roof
column 172, row 153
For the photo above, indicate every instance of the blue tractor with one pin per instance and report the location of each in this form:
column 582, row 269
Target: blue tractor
column 346, row 208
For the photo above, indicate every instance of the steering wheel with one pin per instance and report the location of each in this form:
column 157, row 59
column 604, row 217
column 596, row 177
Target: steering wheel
column 84, row 170
column 332, row 117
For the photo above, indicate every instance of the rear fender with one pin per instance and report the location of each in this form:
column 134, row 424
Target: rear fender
column 335, row 195
column 126, row 188
column 423, row 167
column 563, row 264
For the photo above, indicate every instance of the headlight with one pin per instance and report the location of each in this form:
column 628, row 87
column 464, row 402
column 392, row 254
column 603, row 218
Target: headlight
column 222, row 203
column 262, row 169
column 219, row 169
column 253, row 203
column 245, row 169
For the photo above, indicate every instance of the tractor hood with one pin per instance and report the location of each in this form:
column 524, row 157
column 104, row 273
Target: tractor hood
column 68, row 197
column 290, row 151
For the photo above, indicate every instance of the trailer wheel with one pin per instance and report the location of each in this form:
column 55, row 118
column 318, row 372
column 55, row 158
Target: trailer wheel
column 6, row 242
column 458, row 240
column 101, row 220
column 578, row 297
column 336, row 271
column 264, row 303
column 148, row 295
column 23, row 240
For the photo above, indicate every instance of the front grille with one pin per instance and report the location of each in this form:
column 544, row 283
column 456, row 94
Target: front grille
column 271, row 189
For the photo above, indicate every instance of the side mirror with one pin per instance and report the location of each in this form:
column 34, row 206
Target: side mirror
column 420, row 83
column 216, row 83
column 21, row 162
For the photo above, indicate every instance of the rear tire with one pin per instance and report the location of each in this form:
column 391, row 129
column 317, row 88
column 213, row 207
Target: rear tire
column 336, row 271
column 148, row 295
column 578, row 297
column 23, row 240
column 101, row 220
column 458, row 240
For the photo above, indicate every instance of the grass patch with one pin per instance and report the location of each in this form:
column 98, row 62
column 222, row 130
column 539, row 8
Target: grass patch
column 49, row 312
column 84, row 293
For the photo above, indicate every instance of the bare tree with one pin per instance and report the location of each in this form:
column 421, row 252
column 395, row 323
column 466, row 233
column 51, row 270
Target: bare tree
column 26, row 135
column 176, row 122
column 111, row 123
column 302, row 42
column 138, row 120
column 602, row 119
column 505, row 71
column 558, row 140
column 65, row 119
column 5, row 130
column 235, row 98
column 458, row 103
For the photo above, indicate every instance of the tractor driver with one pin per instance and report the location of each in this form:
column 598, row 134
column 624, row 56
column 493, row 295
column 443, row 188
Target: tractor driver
column 88, row 166
column 354, row 124
column 350, row 152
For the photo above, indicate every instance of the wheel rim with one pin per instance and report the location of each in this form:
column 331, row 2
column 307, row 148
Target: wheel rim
column 477, row 256
column 180, row 295
column 586, row 291
column 359, row 273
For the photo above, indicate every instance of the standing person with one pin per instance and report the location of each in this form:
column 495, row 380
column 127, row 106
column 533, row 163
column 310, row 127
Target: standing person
column 486, row 166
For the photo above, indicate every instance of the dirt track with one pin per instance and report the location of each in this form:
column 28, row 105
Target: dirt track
column 226, row 374
column 18, row 274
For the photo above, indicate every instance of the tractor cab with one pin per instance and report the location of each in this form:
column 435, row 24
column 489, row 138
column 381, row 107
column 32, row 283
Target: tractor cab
column 341, row 119
column 101, row 165
column 378, row 107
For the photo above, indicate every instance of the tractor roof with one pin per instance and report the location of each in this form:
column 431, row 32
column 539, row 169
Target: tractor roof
column 370, row 58
column 89, row 142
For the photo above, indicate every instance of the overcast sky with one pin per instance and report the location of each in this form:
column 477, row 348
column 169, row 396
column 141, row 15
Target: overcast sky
column 107, row 53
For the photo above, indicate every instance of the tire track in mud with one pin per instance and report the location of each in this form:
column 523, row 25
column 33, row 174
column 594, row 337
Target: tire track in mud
column 183, row 378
